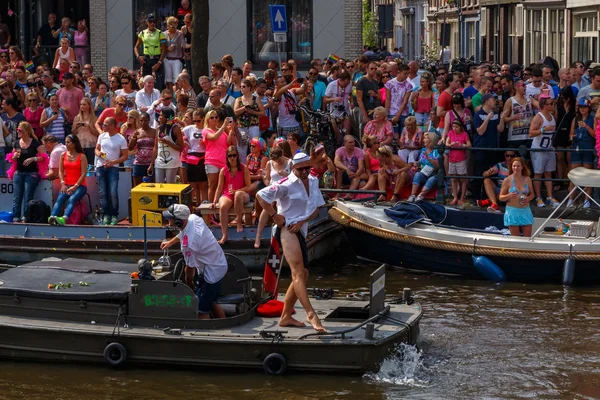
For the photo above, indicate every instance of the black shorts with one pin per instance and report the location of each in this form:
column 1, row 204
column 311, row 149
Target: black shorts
column 302, row 242
column 197, row 173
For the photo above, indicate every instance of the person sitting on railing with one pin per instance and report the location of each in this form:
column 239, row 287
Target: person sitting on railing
column 232, row 191
column 426, row 176
column 516, row 191
column 322, row 167
column 349, row 162
column 410, row 141
column 492, row 188
column 458, row 141
column 582, row 135
column 372, row 164
column 393, row 174
column 542, row 130
column 380, row 127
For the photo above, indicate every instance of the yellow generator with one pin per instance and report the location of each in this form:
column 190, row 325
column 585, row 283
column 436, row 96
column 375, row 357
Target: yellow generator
column 152, row 199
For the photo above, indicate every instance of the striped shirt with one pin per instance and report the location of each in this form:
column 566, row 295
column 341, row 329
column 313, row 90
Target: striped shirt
column 57, row 127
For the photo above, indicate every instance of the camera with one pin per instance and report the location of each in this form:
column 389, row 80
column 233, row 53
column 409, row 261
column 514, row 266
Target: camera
column 39, row 83
column 340, row 107
column 31, row 84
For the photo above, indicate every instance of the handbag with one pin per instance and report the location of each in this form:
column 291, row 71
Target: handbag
column 193, row 160
column 427, row 170
column 264, row 122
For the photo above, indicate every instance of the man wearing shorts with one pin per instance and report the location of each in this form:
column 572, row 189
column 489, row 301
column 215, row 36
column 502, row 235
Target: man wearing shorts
column 200, row 251
column 492, row 186
column 298, row 200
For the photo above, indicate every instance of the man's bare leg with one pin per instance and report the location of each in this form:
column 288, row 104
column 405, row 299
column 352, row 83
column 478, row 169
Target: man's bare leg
column 293, row 254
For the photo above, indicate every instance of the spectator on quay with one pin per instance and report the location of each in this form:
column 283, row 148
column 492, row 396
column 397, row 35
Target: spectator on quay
column 45, row 40
column 63, row 68
column 548, row 79
column 458, row 140
column 293, row 140
column 485, row 87
column 516, row 191
column 411, row 141
column 4, row 65
column 269, row 77
column 214, row 103
column 492, row 187
column 127, row 130
column 84, row 127
column 65, row 31
column 82, row 42
column 334, row 74
column 92, row 87
column 7, row 92
column 507, row 83
column 33, row 113
column 49, row 88
column 565, row 79
column 393, row 173
column 72, row 172
column 591, row 92
column 15, row 57
column 458, row 111
column 3, row 133
column 385, row 77
column 468, row 93
column 232, row 191
column 542, row 130
column 164, row 102
column 184, row 87
column 537, row 87
column 154, row 43
column 422, row 99
column 322, row 166
column 175, row 44
column 566, row 111
column 216, row 72
column 64, row 52
column 234, row 88
column 319, row 88
column 111, row 150
column 488, row 125
column 350, row 166
column 285, row 99
column 427, row 165
column 226, row 98
column 187, row 31
column 167, row 147
column 117, row 112
column 21, row 79
column 248, row 110
column 183, row 12
column 265, row 123
column 69, row 98
column 380, row 127
column 29, row 163
column 372, row 164
column 505, row 69
column 196, row 171
column 12, row 118
column 449, row 85
column 256, row 162
column 55, row 149
column 102, row 101
column 114, row 85
column 577, row 71
column 397, row 96
column 183, row 102
column 247, row 69
column 202, row 97
column 227, row 64
column 413, row 74
column 53, row 119
column 145, row 97
column 318, row 66
column 367, row 93
column 518, row 111
column 141, row 145
column 218, row 134
column 128, row 92
column 337, row 98
column 583, row 137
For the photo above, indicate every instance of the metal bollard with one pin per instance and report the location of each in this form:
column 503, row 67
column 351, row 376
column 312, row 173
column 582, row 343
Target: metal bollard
column 405, row 294
column 369, row 330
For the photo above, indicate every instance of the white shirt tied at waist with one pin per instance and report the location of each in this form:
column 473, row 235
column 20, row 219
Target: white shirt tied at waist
column 292, row 200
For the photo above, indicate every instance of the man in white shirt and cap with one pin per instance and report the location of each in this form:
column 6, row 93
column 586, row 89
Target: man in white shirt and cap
column 298, row 200
column 202, row 252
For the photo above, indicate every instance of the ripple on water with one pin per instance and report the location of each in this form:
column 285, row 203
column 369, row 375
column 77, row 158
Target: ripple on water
column 405, row 368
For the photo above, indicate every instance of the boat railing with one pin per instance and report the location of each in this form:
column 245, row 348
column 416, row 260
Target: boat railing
column 522, row 150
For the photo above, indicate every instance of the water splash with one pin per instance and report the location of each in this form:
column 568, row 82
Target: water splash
column 404, row 368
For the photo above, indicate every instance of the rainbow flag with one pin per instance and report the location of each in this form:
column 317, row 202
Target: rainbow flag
column 333, row 58
column 29, row 66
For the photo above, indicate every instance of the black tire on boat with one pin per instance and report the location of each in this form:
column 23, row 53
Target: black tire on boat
column 275, row 364
column 115, row 354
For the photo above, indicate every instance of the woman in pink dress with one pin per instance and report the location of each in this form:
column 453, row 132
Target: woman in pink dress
column 81, row 43
column 234, row 184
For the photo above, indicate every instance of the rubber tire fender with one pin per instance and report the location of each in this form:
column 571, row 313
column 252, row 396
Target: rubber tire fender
column 275, row 364
column 115, row 347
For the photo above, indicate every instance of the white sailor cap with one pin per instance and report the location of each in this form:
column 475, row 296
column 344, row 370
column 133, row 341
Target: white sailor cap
column 300, row 158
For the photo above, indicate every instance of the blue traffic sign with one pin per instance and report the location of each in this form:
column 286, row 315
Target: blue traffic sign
column 278, row 18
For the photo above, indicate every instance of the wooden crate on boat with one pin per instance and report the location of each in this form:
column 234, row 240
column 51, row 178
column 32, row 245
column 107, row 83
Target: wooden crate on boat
column 582, row 228
column 205, row 211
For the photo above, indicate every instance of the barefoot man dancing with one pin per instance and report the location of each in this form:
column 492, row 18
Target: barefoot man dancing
column 298, row 198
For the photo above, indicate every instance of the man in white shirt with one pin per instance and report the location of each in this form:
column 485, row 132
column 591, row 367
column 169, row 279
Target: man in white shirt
column 202, row 252
column 55, row 150
column 298, row 200
column 148, row 95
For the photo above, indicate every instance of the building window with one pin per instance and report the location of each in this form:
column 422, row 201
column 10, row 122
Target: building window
column 162, row 9
column 299, row 46
column 472, row 40
column 585, row 40
column 536, row 35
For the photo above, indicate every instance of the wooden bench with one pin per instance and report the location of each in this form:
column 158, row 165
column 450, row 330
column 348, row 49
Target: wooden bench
column 205, row 212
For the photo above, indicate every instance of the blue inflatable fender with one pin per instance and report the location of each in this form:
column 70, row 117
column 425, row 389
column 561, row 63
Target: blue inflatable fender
column 568, row 271
column 489, row 269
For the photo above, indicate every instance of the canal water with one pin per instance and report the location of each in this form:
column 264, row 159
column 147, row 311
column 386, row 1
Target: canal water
column 478, row 340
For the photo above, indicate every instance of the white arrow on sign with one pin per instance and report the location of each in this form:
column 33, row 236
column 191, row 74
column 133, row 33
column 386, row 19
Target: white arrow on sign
column 279, row 18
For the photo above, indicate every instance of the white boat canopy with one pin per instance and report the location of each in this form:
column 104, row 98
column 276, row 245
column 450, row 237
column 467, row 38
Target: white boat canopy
column 584, row 177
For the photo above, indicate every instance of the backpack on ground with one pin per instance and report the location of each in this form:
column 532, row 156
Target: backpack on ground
column 37, row 212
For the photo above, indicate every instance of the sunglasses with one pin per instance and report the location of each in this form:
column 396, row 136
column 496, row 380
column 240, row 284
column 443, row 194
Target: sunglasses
column 213, row 117
column 303, row 168
column 197, row 121
column 32, row 99
column 385, row 76
column 509, row 156
column 121, row 104
column 285, row 69
column 232, row 155
column 167, row 98
column 252, row 145
column 311, row 74
column 350, row 66
column 125, row 82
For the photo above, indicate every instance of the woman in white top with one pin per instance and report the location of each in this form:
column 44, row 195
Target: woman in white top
column 64, row 52
column 192, row 135
column 167, row 148
column 277, row 168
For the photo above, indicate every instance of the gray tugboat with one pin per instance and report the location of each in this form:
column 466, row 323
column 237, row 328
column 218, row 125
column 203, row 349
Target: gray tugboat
column 77, row 310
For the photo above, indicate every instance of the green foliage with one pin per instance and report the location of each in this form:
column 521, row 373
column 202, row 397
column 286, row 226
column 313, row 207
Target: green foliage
column 369, row 31
column 432, row 52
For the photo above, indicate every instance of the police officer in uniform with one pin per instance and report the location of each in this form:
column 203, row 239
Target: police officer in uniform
column 154, row 43
column 298, row 200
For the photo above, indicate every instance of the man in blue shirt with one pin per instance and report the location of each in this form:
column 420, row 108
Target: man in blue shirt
column 319, row 88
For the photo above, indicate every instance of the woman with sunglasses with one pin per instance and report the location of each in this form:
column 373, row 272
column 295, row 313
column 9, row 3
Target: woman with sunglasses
column 142, row 145
column 422, row 99
column 232, row 191
column 28, row 152
column 72, row 170
column 16, row 58
column 322, row 167
column 127, row 130
column 102, row 101
column 53, row 119
column 114, row 85
column 117, row 112
column 33, row 114
column 167, row 147
column 127, row 91
column 256, row 163
column 218, row 134
column 84, row 127
column 4, row 64
column 248, row 110
column 196, row 172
